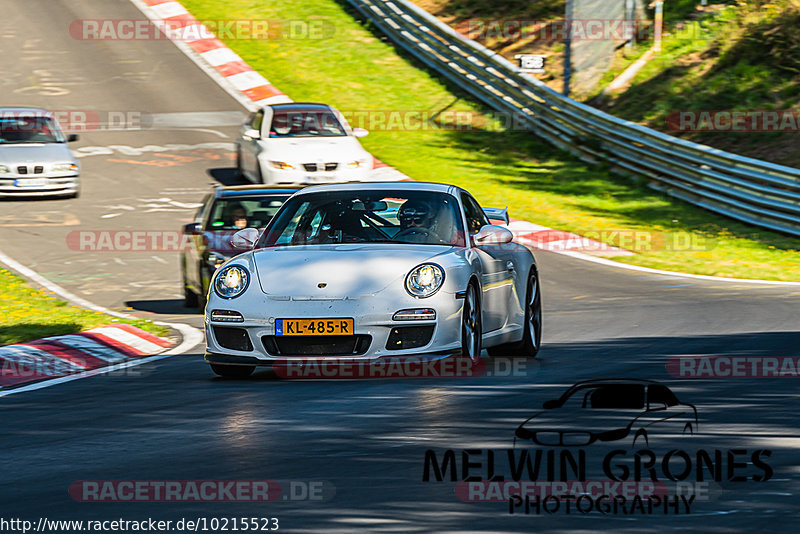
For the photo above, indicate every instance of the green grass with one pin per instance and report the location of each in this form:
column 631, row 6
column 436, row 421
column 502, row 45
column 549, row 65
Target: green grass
column 746, row 57
column 357, row 69
column 27, row 314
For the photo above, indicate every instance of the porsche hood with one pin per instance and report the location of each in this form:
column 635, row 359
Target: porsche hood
column 338, row 271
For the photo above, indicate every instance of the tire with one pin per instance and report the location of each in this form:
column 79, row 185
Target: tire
column 260, row 175
column 233, row 371
column 239, row 171
column 532, row 338
column 471, row 324
column 189, row 296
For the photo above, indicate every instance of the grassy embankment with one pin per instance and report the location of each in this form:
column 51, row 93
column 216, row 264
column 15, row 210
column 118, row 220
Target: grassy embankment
column 27, row 314
column 356, row 69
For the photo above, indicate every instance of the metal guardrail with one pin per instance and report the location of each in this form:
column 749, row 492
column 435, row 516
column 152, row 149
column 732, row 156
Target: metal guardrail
column 750, row 190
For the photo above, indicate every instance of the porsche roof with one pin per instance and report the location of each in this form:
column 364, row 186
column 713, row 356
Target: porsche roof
column 379, row 186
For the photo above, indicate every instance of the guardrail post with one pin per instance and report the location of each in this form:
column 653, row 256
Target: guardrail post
column 568, row 48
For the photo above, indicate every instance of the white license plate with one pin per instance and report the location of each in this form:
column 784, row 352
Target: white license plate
column 30, row 182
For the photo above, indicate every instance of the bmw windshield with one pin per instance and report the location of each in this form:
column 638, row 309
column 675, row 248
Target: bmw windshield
column 29, row 129
column 385, row 216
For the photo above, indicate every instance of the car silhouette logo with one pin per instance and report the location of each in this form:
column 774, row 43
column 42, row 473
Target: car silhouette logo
column 609, row 410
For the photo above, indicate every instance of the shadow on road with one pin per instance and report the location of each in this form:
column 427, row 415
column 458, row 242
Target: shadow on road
column 161, row 307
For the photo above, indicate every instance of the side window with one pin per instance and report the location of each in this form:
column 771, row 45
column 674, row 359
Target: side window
column 475, row 216
column 258, row 118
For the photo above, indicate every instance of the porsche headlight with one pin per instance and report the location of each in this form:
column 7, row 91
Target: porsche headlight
column 64, row 167
column 424, row 280
column 231, row 281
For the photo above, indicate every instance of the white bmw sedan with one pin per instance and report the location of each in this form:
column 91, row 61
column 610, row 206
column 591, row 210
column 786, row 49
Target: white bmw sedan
column 365, row 271
column 301, row 143
column 34, row 157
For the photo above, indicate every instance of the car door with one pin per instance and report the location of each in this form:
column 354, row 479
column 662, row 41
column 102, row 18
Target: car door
column 250, row 145
column 498, row 271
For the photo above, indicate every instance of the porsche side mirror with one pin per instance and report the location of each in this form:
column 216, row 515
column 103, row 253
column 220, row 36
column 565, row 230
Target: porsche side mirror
column 360, row 132
column 493, row 235
column 245, row 239
column 251, row 134
column 551, row 404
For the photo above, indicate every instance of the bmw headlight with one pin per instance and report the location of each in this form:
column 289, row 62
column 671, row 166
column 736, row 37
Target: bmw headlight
column 65, row 167
column 424, row 280
column 282, row 165
column 231, row 281
column 4, row 169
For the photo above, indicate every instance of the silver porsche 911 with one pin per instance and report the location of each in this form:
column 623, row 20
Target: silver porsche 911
column 363, row 271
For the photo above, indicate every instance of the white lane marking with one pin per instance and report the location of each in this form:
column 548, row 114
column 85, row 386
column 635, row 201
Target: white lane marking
column 220, row 56
column 160, row 260
column 126, row 150
column 84, row 374
column 127, row 338
column 110, row 215
column 191, row 336
column 612, row 263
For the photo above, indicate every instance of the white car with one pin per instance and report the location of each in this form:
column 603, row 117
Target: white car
column 301, row 143
column 365, row 271
column 34, row 157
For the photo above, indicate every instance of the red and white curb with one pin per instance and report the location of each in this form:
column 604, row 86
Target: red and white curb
column 545, row 238
column 184, row 30
column 60, row 356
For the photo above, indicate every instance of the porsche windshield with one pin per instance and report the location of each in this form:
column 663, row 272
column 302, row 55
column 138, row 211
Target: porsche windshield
column 29, row 129
column 420, row 217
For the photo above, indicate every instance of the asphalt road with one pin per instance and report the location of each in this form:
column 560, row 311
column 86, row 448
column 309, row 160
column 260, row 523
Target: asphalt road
column 364, row 441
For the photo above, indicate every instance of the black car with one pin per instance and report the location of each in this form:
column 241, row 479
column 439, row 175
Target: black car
column 223, row 213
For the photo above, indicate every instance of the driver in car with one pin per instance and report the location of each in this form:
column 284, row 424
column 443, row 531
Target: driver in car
column 416, row 223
